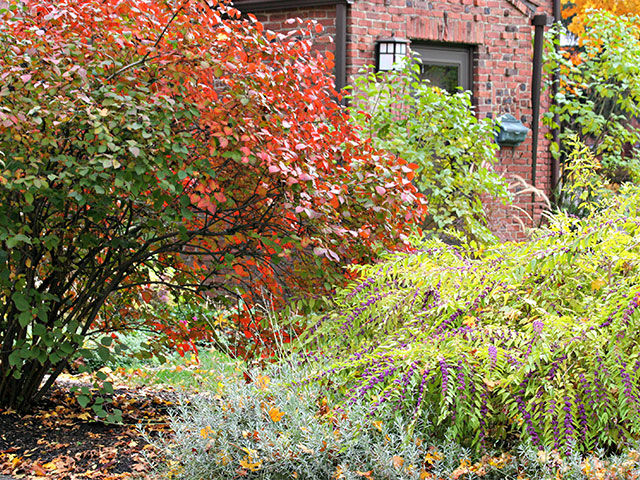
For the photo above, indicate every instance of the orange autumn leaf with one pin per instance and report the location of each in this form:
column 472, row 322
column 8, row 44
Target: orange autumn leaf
column 250, row 465
column 276, row 414
column 469, row 321
column 578, row 10
column 38, row 470
column 262, row 381
column 367, row 475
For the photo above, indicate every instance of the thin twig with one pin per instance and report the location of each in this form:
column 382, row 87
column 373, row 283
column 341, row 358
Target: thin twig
column 146, row 55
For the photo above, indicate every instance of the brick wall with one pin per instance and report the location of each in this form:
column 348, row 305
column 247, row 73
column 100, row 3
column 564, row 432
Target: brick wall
column 501, row 37
column 325, row 16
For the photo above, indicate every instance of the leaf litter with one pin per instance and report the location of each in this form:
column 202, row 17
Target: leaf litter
column 59, row 439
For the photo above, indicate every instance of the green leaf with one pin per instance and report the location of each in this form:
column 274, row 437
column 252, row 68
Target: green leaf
column 25, row 318
column 17, row 239
column 39, row 329
column 15, row 359
column 20, row 301
column 103, row 353
column 100, row 411
column 66, row 348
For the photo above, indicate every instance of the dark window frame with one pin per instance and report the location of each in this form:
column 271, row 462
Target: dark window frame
column 443, row 54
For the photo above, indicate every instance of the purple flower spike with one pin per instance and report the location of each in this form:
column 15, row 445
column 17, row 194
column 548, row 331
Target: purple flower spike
column 445, row 376
column 493, row 354
column 538, row 325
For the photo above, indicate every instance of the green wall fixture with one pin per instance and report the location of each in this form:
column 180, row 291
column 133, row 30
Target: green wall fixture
column 512, row 131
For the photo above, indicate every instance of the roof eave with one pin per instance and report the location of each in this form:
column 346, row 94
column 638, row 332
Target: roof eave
column 267, row 5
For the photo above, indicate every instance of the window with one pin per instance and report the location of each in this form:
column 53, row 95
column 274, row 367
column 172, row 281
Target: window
column 445, row 67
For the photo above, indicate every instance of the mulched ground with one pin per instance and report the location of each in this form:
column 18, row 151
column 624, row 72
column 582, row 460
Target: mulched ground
column 61, row 440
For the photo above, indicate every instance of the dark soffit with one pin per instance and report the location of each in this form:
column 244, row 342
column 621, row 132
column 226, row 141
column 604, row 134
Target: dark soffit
column 266, row 5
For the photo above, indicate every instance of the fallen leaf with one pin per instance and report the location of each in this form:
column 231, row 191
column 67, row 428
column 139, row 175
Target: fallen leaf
column 304, row 449
column 491, row 384
column 469, row 321
column 276, row 414
column 367, row 475
column 38, row 470
column 263, row 381
column 249, row 465
column 597, row 284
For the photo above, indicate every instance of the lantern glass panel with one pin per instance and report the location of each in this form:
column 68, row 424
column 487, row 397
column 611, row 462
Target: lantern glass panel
column 386, row 61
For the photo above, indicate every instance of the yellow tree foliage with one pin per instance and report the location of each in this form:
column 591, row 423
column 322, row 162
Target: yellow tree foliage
column 578, row 10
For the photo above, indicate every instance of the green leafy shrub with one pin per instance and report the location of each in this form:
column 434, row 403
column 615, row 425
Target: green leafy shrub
column 599, row 93
column 518, row 342
column 584, row 187
column 438, row 134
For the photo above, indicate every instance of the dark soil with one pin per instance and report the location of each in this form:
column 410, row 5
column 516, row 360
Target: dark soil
column 61, row 440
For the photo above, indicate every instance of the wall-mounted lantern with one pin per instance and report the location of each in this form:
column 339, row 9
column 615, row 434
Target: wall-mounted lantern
column 512, row 131
column 390, row 52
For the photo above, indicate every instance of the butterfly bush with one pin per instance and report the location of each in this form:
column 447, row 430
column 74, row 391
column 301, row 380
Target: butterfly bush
column 530, row 342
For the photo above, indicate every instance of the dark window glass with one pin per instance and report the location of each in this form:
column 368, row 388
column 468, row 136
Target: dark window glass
column 445, row 77
column 445, row 67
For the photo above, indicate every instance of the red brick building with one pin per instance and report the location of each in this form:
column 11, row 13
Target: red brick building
column 486, row 45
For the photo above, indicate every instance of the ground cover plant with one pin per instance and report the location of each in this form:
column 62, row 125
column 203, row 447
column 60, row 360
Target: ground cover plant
column 531, row 342
column 146, row 143
column 265, row 429
column 278, row 426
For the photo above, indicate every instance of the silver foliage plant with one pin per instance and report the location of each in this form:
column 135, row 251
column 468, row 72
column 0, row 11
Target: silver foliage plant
column 280, row 427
